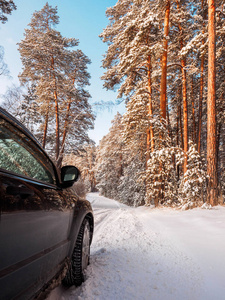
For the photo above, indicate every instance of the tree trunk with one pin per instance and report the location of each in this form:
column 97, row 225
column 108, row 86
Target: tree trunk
column 150, row 143
column 200, row 104
column 163, row 85
column 45, row 128
column 57, row 126
column 201, row 88
column 184, row 93
column 164, row 63
column 193, row 112
column 181, row 125
column 56, row 111
column 212, row 192
column 185, row 112
column 61, row 153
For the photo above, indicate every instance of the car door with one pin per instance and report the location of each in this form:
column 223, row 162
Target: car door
column 35, row 220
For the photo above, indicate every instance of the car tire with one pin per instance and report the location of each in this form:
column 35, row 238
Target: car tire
column 80, row 258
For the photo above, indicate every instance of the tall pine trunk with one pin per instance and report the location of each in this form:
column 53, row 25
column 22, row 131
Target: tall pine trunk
column 150, row 133
column 193, row 112
column 164, row 64
column 184, row 94
column 163, row 85
column 212, row 192
column 201, row 88
column 185, row 112
column 56, row 111
column 200, row 104
column 61, row 153
column 45, row 126
column 57, row 126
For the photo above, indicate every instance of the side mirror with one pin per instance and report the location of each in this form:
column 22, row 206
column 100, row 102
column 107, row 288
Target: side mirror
column 69, row 174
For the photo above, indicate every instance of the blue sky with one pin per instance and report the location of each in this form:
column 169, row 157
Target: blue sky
column 83, row 20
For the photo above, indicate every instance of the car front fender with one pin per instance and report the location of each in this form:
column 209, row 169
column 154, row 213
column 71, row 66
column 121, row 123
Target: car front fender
column 82, row 210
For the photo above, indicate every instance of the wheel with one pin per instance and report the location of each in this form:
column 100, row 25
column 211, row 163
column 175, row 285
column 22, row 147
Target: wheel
column 80, row 257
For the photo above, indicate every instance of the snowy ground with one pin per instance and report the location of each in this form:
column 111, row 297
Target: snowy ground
column 153, row 254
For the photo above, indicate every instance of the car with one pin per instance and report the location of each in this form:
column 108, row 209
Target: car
column 46, row 229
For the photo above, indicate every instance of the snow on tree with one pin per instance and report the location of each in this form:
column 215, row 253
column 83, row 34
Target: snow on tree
column 160, row 177
column 133, row 26
column 193, row 184
column 131, row 190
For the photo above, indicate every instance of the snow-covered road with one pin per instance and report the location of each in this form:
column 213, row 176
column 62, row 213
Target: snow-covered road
column 158, row 254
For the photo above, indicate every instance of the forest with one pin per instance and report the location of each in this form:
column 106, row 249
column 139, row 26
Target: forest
column 166, row 60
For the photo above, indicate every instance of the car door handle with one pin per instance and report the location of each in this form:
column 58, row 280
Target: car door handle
column 19, row 190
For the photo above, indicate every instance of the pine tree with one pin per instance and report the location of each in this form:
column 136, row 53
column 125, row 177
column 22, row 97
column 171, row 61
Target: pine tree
column 193, row 184
column 60, row 76
column 160, row 177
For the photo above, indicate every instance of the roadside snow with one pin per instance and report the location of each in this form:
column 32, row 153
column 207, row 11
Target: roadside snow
column 153, row 254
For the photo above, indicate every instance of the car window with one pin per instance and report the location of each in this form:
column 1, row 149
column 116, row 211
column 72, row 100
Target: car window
column 20, row 155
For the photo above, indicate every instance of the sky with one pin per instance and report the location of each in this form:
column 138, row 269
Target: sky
column 83, row 20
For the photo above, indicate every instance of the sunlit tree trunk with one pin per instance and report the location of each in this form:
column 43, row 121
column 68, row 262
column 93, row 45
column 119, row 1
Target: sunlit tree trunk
column 212, row 192
column 164, row 63
column 150, row 133
column 45, row 127
column 57, row 125
column 200, row 104
column 163, row 84
column 193, row 112
column 201, row 89
column 56, row 111
column 184, row 94
column 185, row 111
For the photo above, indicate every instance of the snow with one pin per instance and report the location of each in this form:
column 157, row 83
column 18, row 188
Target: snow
column 153, row 254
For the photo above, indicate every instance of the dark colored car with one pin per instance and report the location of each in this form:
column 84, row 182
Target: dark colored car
column 45, row 229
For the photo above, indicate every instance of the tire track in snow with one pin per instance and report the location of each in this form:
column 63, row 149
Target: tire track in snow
column 129, row 261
